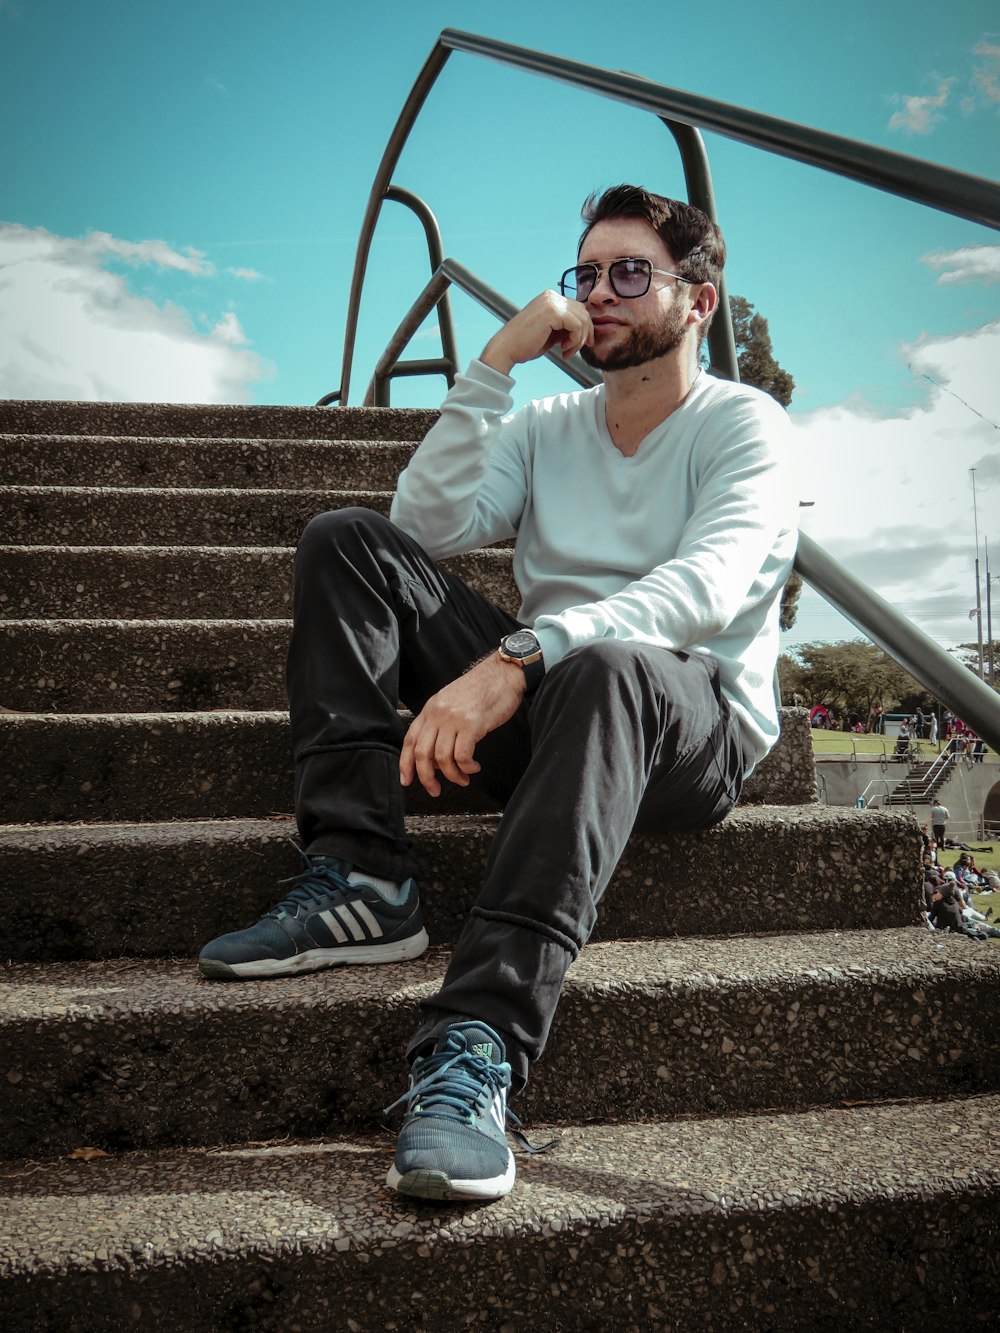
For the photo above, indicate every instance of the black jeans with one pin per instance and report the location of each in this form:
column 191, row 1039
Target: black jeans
column 618, row 736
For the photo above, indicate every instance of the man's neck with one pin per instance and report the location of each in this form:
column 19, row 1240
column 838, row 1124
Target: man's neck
column 638, row 399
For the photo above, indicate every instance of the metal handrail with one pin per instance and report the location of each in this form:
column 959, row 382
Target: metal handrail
column 915, row 651
column 875, row 782
column 948, row 191
column 447, row 363
column 451, row 271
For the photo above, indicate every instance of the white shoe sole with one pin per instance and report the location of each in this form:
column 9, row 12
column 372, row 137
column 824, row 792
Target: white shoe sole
column 314, row 959
column 439, row 1185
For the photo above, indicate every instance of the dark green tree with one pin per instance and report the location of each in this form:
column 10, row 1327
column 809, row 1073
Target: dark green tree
column 853, row 677
column 758, row 367
column 754, row 353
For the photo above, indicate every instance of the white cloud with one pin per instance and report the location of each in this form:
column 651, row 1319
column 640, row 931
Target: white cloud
column 986, row 75
column 247, row 274
column 893, row 494
column 229, row 330
column 73, row 329
column 973, row 263
column 919, row 114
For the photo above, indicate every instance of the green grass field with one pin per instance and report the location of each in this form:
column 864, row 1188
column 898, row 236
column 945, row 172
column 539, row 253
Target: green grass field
column 841, row 742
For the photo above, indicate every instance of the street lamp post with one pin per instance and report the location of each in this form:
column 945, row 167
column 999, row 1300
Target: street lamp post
column 979, row 602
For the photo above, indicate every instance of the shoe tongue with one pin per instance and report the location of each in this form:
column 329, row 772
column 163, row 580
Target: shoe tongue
column 481, row 1040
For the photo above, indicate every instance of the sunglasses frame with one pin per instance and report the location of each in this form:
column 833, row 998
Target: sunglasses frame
column 606, row 268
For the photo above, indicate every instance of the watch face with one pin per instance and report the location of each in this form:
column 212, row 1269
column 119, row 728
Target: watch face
column 521, row 643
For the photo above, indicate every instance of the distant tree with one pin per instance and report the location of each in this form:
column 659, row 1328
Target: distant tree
column 968, row 653
column 853, row 677
column 754, row 353
column 758, row 367
column 790, row 682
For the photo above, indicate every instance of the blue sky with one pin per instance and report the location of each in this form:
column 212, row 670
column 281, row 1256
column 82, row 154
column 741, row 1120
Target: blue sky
column 183, row 185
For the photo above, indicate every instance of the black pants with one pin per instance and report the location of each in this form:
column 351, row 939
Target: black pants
column 618, row 736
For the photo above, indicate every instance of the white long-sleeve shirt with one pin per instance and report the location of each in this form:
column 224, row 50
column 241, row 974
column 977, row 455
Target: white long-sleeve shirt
column 684, row 545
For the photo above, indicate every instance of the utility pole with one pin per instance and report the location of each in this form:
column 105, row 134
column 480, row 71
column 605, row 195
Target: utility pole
column 979, row 599
column 989, row 612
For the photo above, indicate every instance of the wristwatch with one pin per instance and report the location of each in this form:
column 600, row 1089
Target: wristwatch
column 523, row 648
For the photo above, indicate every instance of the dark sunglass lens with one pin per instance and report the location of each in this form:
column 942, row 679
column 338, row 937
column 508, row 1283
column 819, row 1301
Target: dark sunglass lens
column 578, row 283
column 630, row 277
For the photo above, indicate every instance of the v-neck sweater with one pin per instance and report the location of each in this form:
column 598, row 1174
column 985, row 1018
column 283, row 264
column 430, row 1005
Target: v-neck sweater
column 685, row 544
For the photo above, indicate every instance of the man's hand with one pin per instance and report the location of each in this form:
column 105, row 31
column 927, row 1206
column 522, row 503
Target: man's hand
column 550, row 320
column 444, row 734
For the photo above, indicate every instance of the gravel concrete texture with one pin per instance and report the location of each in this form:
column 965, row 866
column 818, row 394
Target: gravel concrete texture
column 122, row 516
column 223, row 764
column 73, row 460
column 786, row 776
column 114, row 665
column 199, row 421
column 754, row 1222
column 188, row 582
column 143, row 666
column 136, row 1054
column 149, row 890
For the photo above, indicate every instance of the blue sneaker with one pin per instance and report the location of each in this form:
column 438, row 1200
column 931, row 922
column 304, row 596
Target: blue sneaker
column 453, row 1144
column 323, row 922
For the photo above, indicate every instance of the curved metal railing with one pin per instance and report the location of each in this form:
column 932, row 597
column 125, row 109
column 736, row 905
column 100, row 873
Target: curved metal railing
column 684, row 114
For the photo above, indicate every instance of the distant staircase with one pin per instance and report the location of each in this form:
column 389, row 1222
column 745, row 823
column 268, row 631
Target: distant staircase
column 922, row 783
column 775, row 1090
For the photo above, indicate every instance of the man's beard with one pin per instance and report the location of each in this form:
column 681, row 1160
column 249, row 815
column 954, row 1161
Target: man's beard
column 642, row 344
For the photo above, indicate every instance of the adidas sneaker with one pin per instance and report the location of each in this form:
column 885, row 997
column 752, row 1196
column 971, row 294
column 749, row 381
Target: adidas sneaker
column 324, row 921
column 453, row 1144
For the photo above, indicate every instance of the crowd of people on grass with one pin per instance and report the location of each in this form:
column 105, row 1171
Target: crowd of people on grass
column 948, row 890
column 919, row 725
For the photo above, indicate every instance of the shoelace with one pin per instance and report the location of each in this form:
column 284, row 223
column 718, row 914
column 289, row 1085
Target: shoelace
column 456, row 1077
column 310, row 886
column 456, row 1081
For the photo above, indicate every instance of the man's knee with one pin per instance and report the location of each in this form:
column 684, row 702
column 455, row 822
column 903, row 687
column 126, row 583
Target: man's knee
column 617, row 662
column 340, row 529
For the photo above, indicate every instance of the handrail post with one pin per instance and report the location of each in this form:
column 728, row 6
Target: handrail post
column 435, row 251
column 701, row 193
column 397, row 141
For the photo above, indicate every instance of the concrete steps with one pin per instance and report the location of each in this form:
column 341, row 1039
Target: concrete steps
column 174, row 516
column 217, row 422
column 83, row 460
column 138, row 1053
column 183, row 582
column 737, row 975
column 827, row 1219
column 149, row 890
column 221, row 764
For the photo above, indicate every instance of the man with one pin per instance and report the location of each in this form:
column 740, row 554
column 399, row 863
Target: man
column 939, row 821
column 655, row 528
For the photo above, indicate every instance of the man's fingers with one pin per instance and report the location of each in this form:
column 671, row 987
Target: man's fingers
column 465, row 746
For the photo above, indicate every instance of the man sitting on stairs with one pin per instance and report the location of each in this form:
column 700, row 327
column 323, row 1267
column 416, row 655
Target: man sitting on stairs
column 655, row 526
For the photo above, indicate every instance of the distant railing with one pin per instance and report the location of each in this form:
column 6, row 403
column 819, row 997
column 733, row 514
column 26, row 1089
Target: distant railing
column 684, row 114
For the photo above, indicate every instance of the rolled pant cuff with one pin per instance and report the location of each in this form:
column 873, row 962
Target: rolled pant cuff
column 376, row 857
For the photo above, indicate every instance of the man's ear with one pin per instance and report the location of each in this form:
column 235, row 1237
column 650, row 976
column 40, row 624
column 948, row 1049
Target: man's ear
column 705, row 298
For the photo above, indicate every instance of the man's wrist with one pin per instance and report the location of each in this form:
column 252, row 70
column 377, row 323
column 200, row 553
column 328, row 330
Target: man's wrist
column 494, row 356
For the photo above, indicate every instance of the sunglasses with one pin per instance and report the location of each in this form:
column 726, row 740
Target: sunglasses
column 628, row 277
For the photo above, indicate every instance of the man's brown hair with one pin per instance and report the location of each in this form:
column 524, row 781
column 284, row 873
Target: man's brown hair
column 692, row 238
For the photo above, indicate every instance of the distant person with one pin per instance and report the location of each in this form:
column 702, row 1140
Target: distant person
column 939, row 822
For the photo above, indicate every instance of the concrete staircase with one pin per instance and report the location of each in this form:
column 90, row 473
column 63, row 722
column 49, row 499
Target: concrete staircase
column 773, row 1090
column 921, row 786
